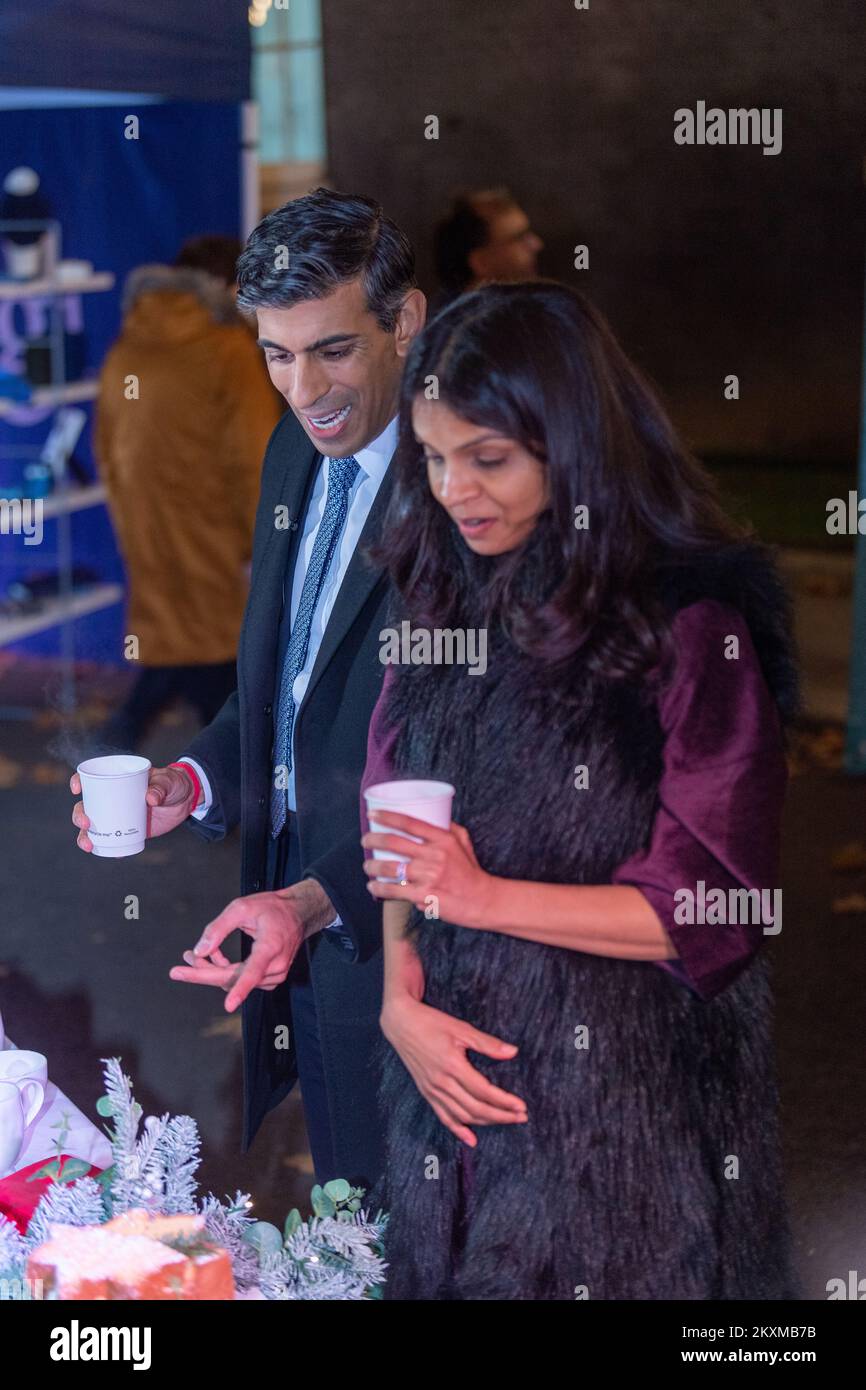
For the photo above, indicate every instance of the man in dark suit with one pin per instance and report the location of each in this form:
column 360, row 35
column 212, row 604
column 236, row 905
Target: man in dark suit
column 332, row 283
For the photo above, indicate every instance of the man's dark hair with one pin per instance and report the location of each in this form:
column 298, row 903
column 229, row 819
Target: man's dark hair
column 309, row 247
column 218, row 255
column 464, row 229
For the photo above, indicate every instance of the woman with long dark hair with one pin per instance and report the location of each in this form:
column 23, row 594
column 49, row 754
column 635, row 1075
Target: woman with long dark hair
column 578, row 1080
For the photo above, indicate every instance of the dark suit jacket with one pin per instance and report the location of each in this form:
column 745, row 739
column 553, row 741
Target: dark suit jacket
column 330, row 739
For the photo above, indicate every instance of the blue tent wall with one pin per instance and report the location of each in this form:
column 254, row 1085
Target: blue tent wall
column 196, row 52
column 121, row 203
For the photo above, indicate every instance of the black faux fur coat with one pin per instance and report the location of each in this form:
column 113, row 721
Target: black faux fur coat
column 618, row 1186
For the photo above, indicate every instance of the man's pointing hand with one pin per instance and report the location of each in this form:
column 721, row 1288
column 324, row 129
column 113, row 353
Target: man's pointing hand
column 278, row 924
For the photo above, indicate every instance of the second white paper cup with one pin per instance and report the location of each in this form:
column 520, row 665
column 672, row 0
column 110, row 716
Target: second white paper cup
column 429, row 801
column 114, row 791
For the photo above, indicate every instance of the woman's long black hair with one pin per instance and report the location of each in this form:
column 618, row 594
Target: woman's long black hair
column 540, row 365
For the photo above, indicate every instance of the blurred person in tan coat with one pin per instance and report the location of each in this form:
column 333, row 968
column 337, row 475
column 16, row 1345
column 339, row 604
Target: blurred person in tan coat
column 184, row 413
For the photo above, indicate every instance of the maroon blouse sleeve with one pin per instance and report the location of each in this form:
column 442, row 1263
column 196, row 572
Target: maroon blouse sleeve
column 380, row 742
column 720, row 797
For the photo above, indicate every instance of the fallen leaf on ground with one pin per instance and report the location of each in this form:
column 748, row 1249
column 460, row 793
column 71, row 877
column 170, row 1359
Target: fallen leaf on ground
column 302, row 1163
column 227, row 1027
column 93, row 712
column 48, row 719
column 854, row 902
column 48, row 774
column 849, row 858
column 156, row 856
column 171, row 718
column 823, row 584
column 10, row 772
column 816, row 748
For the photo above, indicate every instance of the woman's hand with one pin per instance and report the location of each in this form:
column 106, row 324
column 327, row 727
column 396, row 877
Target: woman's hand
column 441, row 872
column 432, row 1046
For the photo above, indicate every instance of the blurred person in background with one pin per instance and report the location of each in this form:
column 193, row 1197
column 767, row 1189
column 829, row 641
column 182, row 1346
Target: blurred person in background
column 485, row 235
column 184, row 413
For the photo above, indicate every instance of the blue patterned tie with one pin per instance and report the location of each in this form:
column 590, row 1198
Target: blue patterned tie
column 341, row 475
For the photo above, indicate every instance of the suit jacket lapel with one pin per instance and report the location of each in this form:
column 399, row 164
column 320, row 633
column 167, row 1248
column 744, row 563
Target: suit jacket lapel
column 292, row 488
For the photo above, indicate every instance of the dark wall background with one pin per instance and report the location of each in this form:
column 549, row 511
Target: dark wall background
column 707, row 260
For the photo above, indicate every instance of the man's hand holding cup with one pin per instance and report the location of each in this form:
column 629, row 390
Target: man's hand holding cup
column 170, row 797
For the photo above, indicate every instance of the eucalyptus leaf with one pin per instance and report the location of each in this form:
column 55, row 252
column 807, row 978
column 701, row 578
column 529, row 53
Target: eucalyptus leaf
column 322, row 1204
column 105, row 1106
column 293, row 1223
column 48, row 1170
column 338, row 1190
column 74, row 1168
column 264, row 1238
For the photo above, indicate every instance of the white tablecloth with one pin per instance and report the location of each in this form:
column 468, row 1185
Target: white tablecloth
column 84, row 1140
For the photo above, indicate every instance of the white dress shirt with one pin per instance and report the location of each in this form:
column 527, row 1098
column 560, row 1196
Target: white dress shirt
column 373, row 461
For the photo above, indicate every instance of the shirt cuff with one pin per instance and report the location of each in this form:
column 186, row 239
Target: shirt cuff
column 337, row 922
column 200, row 811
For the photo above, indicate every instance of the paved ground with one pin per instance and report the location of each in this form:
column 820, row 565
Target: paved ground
column 80, row 982
column 820, row 976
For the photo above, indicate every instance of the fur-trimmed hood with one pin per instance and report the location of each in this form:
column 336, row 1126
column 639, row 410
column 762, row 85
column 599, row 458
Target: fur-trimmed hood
column 183, row 464
column 175, row 301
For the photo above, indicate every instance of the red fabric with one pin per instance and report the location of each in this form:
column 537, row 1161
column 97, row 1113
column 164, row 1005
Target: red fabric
column 196, row 780
column 20, row 1198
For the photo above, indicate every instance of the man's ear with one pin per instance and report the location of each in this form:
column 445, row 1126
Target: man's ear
column 477, row 263
column 410, row 321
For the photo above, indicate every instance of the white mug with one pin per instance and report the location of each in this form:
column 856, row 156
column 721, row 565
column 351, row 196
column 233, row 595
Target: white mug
column 29, row 1072
column 11, row 1126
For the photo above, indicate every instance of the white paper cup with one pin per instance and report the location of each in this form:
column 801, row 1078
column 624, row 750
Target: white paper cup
column 114, row 791
column 429, row 801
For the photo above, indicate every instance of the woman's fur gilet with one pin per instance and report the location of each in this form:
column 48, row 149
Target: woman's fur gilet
column 621, row 1185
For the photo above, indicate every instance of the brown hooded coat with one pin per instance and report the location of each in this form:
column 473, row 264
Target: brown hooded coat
column 181, row 462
